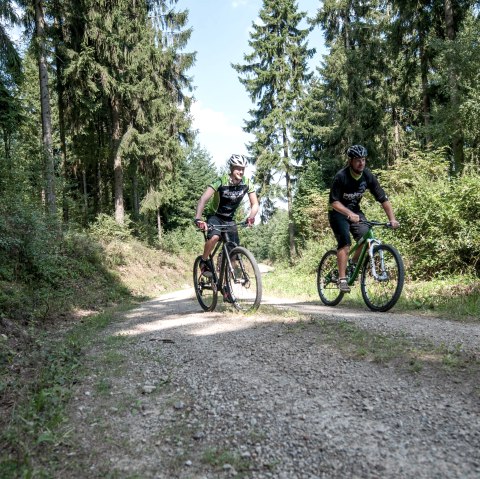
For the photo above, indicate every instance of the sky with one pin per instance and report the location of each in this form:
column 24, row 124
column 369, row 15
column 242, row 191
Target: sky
column 221, row 30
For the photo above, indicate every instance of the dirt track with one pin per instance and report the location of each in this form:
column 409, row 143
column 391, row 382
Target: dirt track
column 176, row 393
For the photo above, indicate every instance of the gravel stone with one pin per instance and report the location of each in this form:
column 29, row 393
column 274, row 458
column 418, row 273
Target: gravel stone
column 267, row 396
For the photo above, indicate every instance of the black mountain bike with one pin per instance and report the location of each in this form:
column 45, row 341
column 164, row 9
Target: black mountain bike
column 381, row 267
column 235, row 275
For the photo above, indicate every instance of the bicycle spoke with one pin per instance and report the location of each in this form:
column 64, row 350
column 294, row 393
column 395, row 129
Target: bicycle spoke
column 327, row 277
column 205, row 288
column 243, row 280
column 382, row 285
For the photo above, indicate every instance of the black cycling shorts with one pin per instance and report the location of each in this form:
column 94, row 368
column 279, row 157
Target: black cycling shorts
column 342, row 228
column 217, row 221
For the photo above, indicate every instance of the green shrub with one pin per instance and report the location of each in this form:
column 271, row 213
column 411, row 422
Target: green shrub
column 440, row 232
column 180, row 240
column 105, row 226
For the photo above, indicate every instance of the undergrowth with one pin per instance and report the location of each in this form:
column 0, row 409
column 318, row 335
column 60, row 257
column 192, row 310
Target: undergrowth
column 456, row 298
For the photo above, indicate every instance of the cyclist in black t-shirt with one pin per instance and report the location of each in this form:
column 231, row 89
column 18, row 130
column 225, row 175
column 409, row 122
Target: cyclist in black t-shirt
column 224, row 196
column 345, row 214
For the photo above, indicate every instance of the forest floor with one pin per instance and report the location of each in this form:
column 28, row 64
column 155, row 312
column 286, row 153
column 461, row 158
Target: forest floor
column 297, row 390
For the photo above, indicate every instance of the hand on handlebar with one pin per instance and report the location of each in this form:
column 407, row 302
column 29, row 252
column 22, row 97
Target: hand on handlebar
column 201, row 225
column 354, row 218
column 250, row 221
column 394, row 224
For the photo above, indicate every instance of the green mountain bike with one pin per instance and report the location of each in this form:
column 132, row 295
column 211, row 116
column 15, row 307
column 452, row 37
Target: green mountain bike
column 380, row 266
column 236, row 275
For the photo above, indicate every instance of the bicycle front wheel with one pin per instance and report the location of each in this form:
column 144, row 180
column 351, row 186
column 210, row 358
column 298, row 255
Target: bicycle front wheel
column 327, row 278
column 382, row 278
column 244, row 280
column 205, row 288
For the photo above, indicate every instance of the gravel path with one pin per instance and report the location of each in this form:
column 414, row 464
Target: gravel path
column 176, row 393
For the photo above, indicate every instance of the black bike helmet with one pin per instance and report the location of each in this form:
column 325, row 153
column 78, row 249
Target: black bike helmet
column 357, row 151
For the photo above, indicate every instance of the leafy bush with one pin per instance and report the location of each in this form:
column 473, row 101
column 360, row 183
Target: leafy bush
column 183, row 240
column 105, row 226
column 440, row 231
column 28, row 246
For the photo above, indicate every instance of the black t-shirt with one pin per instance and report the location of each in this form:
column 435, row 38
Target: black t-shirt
column 227, row 196
column 349, row 190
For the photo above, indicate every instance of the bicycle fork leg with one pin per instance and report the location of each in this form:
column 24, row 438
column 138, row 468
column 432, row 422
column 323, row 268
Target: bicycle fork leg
column 371, row 251
column 383, row 274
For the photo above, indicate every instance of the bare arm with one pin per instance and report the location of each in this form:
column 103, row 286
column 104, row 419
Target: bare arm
column 203, row 201
column 253, row 204
column 387, row 207
column 353, row 217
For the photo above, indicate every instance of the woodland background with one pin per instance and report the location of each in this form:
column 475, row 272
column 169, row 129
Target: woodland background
column 97, row 137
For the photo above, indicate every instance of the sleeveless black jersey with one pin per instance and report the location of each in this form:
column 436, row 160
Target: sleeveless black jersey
column 227, row 196
column 349, row 190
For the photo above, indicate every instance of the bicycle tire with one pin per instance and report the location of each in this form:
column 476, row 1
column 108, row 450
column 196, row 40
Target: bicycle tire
column 382, row 294
column 205, row 288
column 244, row 280
column 327, row 277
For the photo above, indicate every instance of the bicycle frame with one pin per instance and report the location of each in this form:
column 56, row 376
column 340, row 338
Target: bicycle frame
column 218, row 279
column 224, row 244
column 367, row 242
column 234, row 273
column 379, row 264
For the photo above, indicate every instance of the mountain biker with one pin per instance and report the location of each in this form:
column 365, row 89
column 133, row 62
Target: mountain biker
column 345, row 215
column 226, row 193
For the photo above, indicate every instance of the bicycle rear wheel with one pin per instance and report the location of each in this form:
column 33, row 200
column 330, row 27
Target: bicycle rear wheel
column 205, row 288
column 327, row 277
column 382, row 284
column 244, row 280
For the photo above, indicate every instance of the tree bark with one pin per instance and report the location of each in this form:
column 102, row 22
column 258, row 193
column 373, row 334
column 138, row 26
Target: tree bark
column 85, row 197
column 424, row 80
column 49, row 163
column 159, row 224
column 117, row 162
column 291, row 226
column 59, row 61
column 457, row 136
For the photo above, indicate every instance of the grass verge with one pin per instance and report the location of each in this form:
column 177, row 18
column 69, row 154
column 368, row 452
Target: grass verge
column 455, row 298
column 386, row 349
column 34, row 423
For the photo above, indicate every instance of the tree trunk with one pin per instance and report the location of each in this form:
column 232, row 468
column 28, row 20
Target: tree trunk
column 424, row 79
column 117, row 162
column 291, row 226
column 396, row 134
column 59, row 61
column 85, row 196
column 135, row 200
column 45, row 110
column 457, row 135
column 159, row 225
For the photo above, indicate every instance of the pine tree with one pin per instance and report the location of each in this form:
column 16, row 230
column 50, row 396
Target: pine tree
column 126, row 80
column 274, row 75
column 46, row 115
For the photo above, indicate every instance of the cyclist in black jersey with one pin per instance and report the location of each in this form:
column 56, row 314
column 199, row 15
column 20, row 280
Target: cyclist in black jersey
column 220, row 201
column 345, row 214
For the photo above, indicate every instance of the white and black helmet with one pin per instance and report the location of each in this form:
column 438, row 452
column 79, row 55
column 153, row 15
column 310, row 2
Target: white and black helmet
column 357, row 151
column 238, row 160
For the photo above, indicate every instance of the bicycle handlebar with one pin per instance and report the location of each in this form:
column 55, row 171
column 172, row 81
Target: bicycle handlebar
column 371, row 223
column 225, row 228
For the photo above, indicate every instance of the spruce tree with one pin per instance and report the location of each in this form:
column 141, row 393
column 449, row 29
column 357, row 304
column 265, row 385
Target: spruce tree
column 274, row 75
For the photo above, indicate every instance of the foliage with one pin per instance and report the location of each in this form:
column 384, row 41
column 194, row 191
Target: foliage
column 274, row 76
column 29, row 250
column 269, row 241
column 105, row 226
column 440, row 232
column 182, row 240
column 193, row 176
